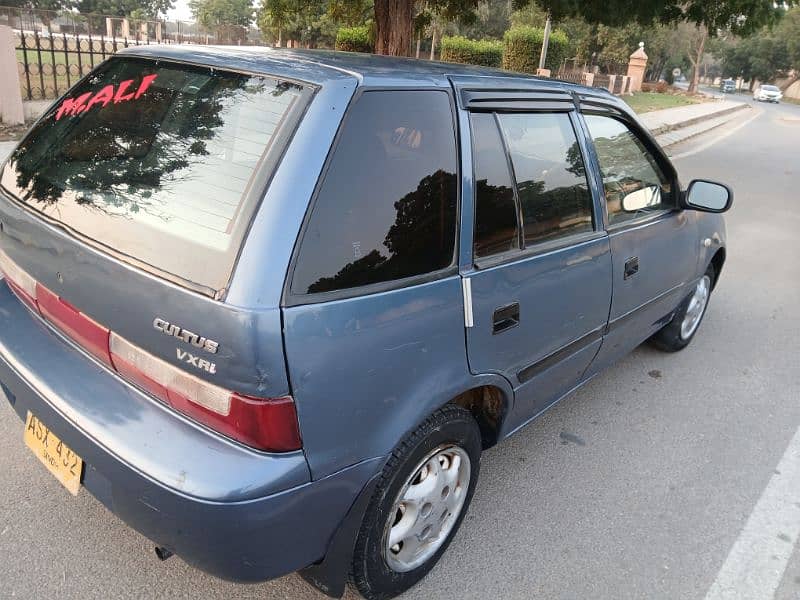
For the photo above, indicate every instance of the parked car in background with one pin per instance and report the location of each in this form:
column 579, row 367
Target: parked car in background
column 269, row 307
column 767, row 93
column 727, row 86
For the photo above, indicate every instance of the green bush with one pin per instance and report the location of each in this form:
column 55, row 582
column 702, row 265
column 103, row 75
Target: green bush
column 523, row 45
column 354, row 39
column 458, row 49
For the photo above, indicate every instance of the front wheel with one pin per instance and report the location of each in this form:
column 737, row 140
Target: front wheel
column 418, row 505
column 678, row 333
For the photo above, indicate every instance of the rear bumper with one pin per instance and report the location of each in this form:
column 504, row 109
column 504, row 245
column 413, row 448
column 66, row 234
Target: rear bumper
column 230, row 511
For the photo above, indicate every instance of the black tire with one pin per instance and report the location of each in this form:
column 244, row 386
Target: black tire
column 370, row 572
column 669, row 338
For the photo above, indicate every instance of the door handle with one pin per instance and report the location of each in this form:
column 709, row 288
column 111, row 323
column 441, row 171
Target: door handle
column 505, row 318
column 631, row 267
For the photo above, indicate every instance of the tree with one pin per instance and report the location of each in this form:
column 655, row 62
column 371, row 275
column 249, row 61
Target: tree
column 273, row 19
column 789, row 32
column 228, row 18
column 394, row 19
column 763, row 56
column 124, row 8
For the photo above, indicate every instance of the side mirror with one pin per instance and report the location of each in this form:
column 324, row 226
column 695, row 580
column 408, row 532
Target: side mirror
column 708, row 196
column 642, row 198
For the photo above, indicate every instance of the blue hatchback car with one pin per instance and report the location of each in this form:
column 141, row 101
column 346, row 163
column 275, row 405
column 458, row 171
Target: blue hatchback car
column 268, row 307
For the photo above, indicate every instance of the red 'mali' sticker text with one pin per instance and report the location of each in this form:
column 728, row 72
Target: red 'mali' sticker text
column 123, row 92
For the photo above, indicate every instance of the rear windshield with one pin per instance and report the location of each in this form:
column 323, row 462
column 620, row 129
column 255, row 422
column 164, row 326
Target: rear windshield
column 160, row 162
column 769, row 88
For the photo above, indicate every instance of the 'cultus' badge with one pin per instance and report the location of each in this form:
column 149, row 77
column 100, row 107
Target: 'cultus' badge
column 185, row 335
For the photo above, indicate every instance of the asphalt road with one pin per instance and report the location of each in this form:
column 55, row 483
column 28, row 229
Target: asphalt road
column 665, row 474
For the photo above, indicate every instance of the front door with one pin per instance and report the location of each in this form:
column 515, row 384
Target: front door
column 539, row 288
column 652, row 242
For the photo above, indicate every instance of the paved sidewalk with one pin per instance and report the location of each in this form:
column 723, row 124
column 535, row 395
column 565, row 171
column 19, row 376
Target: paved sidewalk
column 660, row 121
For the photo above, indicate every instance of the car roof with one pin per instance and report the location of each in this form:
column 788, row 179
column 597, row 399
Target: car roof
column 325, row 66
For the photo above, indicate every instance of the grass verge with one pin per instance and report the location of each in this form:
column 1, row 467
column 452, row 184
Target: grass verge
column 642, row 102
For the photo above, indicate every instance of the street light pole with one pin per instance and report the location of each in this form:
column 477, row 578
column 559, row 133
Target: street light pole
column 545, row 43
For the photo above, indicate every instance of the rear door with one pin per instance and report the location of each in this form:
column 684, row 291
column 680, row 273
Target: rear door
column 539, row 282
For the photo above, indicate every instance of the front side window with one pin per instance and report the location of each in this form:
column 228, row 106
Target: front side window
column 386, row 208
column 550, row 175
column 634, row 183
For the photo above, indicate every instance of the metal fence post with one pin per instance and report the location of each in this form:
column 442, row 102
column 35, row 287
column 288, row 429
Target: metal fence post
column 11, row 111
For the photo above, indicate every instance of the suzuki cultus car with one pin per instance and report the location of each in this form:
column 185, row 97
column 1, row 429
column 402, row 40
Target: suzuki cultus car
column 269, row 307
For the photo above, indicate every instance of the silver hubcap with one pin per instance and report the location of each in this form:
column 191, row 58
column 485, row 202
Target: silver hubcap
column 427, row 508
column 697, row 306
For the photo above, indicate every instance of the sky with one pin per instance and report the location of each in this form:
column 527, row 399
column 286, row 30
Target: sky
column 180, row 12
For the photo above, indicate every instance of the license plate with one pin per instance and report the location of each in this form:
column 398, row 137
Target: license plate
column 59, row 459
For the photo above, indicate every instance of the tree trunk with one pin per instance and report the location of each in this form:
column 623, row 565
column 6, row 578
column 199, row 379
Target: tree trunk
column 697, row 61
column 433, row 41
column 394, row 27
column 419, row 43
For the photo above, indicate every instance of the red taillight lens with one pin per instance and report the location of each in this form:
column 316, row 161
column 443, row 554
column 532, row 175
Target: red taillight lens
column 90, row 335
column 267, row 424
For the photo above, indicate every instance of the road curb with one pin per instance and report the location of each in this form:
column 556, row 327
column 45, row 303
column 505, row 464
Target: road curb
column 695, row 120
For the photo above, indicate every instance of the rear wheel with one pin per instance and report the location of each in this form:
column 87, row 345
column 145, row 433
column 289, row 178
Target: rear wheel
column 678, row 333
column 418, row 505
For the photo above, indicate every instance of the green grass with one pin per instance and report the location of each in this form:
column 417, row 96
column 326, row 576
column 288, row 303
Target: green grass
column 642, row 102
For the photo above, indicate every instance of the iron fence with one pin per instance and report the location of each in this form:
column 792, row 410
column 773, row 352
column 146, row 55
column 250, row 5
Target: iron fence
column 50, row 64
column 56, row 48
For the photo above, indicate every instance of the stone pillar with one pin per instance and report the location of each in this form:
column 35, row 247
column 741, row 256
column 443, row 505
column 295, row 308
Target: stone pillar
column 587, row 79
column 158, row 32
column 126, row 28
column 109, row 27
column 11, row 112
column 543, row 72
column 636, row 68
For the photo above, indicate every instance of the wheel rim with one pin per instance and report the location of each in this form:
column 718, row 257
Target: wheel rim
column 696, row 308
column 427, row 508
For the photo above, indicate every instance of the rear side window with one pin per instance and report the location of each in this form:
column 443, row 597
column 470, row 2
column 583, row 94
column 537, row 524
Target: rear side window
column 386, row 206
column 162, row 162
column 495, row 210
column 550, row 175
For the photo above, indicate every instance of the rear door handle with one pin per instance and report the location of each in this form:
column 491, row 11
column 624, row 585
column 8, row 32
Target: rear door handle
column 631, row 267
column 505, row 318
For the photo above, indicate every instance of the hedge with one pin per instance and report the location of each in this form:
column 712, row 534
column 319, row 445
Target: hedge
column 354, row 39
column 458, row 49
column 523, row 45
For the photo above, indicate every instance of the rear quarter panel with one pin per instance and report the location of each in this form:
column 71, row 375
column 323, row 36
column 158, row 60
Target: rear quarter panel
column 365, row 371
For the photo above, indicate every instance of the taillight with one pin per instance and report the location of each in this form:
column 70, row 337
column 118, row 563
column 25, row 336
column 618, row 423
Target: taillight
column 20, row 282
column 89, row 334
column 264, row 423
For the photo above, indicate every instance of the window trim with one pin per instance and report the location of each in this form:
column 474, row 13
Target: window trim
column 509, row 172
column 544, row 246
column 599, row 108
column 289, row 298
